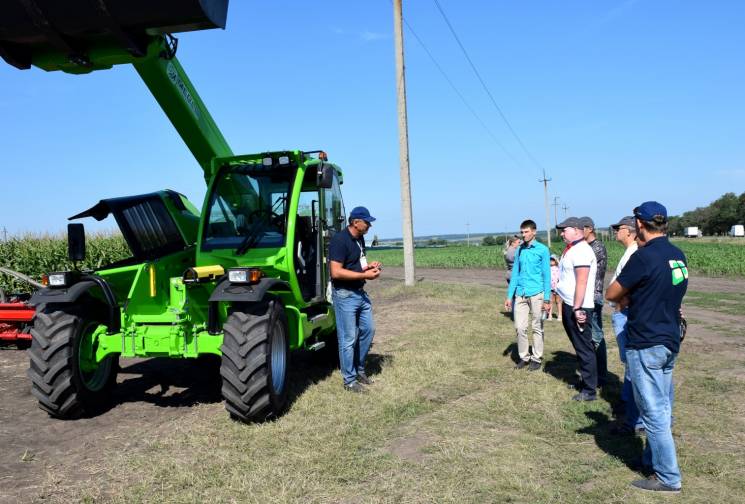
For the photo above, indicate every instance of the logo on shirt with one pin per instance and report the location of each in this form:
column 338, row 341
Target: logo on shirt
column 680, row 271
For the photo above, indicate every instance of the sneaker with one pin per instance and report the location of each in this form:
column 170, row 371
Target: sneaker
column 652, row 484
column 355, row 387
column 583, row 396
column 522, row 364
column 364, row 379
column 534, row 366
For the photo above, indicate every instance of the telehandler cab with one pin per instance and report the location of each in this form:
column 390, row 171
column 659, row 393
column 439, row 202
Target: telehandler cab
column 244, row 279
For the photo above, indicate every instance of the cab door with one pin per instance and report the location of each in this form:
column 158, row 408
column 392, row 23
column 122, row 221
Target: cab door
column 332, row 220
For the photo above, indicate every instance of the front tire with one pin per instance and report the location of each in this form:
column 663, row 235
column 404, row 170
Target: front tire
column 65, row 380
column 255, row 357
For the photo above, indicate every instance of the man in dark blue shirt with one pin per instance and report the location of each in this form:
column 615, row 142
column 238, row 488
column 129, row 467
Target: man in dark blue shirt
column 349, row 270
column 653, row 284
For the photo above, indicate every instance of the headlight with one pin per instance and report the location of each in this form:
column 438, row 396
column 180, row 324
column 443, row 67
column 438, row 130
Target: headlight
column 59, row 279
column 244, row 275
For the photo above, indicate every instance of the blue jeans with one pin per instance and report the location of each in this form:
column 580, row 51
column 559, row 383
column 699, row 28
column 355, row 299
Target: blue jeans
column 651, row 372
column 618, row 320
column 633, row 420
column 354, row 329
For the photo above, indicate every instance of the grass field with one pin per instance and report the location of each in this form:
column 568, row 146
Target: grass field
column 704, row 258
column 448, row 420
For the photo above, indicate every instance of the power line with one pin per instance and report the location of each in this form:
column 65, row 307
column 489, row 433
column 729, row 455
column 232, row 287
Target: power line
column 460, row 95
column 486, row 89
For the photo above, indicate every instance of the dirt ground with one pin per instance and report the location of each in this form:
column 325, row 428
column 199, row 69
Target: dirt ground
column 39, row 455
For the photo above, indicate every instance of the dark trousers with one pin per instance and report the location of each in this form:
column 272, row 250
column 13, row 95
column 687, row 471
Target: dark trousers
column 583, row 347
column 601, row 353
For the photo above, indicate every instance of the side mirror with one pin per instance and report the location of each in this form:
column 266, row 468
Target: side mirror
column 325, row 176
column 76, row 242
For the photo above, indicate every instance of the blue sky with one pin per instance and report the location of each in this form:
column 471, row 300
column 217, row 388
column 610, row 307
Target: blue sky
column 620, row 101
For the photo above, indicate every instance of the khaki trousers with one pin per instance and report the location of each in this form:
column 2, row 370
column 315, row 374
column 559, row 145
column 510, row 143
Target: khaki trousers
column 529, row 310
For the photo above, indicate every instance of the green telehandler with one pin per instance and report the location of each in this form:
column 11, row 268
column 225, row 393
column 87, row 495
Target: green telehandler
column 245, row 279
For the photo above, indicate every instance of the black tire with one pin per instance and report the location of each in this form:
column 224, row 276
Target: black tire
column 255, row 362
column 63, row 389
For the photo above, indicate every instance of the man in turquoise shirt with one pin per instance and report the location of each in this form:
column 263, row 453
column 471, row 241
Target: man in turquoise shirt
column 530, row 286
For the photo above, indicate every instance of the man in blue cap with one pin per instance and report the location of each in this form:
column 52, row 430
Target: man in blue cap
column 653, row 284
column 354, row 321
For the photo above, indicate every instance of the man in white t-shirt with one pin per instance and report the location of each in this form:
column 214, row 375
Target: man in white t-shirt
column 576, row 287
column 625, row 231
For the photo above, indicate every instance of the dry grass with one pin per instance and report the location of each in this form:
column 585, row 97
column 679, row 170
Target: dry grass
column 448, row 420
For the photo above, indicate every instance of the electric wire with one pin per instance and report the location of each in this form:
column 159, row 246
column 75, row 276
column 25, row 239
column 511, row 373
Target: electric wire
column 486, row 88
column 460, row 95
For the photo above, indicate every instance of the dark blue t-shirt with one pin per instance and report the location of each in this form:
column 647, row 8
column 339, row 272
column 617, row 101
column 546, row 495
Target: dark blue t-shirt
column 347, row 250
column 657, row 278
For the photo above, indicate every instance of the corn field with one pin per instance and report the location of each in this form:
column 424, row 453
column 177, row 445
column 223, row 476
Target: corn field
column 34, row 255
column 723, row 259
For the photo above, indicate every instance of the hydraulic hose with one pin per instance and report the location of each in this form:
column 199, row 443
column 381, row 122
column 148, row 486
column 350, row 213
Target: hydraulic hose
column 18, row 276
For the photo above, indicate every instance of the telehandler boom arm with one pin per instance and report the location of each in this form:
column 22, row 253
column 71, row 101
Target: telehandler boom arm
column 80, row 36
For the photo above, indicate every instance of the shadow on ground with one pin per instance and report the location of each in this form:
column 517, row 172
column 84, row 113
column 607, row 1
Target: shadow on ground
column 563, row 366
column 628, row 449
column 183, row 383
column 511, row 350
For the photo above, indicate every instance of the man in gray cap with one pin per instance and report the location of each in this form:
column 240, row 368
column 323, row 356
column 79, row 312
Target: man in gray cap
column 625, row 235
column 576, row 286
column 596, row 320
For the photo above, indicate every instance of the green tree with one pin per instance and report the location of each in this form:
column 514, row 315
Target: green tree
column 489, row 241
column 723, row 215
column 741, row 209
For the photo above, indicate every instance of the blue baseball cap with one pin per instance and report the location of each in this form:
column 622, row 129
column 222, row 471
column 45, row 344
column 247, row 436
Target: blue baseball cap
column 649, row 209
column 361, row 212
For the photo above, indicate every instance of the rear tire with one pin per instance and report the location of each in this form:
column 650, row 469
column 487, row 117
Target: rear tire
column 255, row 358
column 65, row 385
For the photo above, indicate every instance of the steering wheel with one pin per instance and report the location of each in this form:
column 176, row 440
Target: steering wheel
column 273, row 218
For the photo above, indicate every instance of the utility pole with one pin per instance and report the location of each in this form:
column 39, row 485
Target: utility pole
column 403, row 141
column 565, row 207
column 468, row 234
column 555, row 204
column 545, row 202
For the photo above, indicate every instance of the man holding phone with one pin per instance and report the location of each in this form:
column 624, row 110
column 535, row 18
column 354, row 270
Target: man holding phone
column 577, row 271
column 350, row 270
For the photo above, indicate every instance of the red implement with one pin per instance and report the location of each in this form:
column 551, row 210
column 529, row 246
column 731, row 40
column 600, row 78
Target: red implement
column 15, row 318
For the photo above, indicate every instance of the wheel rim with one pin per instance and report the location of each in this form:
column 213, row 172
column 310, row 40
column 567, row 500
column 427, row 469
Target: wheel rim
column 93, row 375
column 279, row 359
